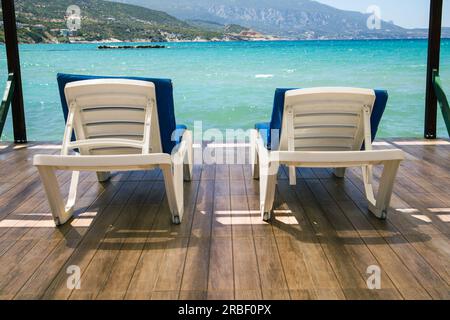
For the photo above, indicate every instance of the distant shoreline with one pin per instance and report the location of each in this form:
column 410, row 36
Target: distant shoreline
column 252, row 40
column 224, row 41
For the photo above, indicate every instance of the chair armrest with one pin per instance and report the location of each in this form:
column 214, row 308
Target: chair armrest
column 180, row 150
column 337, row 159
column 260, row 147
column 103, row 162
column 264, row 129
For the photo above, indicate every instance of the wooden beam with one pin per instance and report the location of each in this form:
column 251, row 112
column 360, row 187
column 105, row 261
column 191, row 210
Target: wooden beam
column 434, row 48
column 12, row 53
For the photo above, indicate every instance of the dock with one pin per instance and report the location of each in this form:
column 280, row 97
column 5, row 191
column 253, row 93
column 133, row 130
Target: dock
column 319, row 245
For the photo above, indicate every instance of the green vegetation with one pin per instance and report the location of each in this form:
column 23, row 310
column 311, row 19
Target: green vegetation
column 235, row 28
column 44, row 21
column 214, row 26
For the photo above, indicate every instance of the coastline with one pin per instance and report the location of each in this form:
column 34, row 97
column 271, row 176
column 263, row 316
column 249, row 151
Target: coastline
column 274, row 39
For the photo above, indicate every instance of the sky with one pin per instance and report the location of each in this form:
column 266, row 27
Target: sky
column 406, row 13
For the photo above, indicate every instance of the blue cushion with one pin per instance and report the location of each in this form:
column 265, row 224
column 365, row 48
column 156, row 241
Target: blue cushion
column 381, row 98
column 164, row 100
column 178, row 133
column 264, row 131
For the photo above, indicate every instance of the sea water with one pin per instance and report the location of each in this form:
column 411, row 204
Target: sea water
column 231, row 84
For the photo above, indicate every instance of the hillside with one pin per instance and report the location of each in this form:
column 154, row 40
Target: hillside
column 298, row 19
column 218, row 27
column 44, row 21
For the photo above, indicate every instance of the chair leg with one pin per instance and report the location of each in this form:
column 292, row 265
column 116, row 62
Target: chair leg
column 339, row 172
column 383, row 199
column 267, row 183
column 255, row 167
column 61, row 213
column 292, row 176
column 174, row 190
column 368, row 187
column 103, row 176
column 254, row 161
column 189, row 158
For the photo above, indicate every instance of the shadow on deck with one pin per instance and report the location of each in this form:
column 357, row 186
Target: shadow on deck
column 319, row 246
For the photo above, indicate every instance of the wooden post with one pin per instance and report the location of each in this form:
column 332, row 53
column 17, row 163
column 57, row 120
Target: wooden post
column 12, row 54
column 434, row 48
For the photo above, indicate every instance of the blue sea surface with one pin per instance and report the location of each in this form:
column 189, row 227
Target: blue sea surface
column 231, row 84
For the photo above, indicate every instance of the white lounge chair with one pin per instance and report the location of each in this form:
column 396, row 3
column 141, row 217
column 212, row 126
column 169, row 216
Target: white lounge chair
column 117, row 129
column 325, row 128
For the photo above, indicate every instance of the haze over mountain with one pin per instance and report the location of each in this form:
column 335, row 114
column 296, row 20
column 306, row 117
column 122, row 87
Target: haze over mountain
column 301, row 19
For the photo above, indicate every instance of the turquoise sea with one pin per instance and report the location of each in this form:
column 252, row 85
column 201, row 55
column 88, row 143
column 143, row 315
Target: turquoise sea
column 231, row 84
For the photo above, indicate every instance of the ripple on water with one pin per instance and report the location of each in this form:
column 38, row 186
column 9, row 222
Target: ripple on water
column 231, row 85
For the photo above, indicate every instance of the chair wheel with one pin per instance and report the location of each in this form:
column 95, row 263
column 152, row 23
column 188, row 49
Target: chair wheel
column 266, row 216
column 176, row 220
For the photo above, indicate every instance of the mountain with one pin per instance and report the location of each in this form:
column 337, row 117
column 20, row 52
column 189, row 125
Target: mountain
column 44, row 21
column 218, row 27
column 299, row 19
column 196, row 20
column 423, row 33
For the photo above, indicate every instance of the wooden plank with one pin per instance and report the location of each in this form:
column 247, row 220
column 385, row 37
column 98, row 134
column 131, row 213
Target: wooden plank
column 160, row 266
column 221, row 269
column 394, row 273
column 259, row 227
column 98, row 271
column 19, row 221
column 246, row 272
column 126, row 262
column 271, row 273
column 221, row 223
column 241, row 216
column 27, row 226
column 336, row 248
column 193, row 295
column 220, row 295
column 48, row 269
column 101, row 266
column 429, row 242
column 170, row 274
column 415, row 269
column 202, row 219
column 317, row 246
column 305, row 263
column 196, row 268
column 146, row 271
column 124, row 266
column 88, row 245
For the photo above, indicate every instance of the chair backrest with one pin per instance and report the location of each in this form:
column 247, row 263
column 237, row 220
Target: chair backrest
column 274, row 127
column 327, row 119
column 164, row 102
column 112, row 116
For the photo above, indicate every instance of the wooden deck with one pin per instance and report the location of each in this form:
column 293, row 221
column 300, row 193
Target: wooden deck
column 318, row 247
